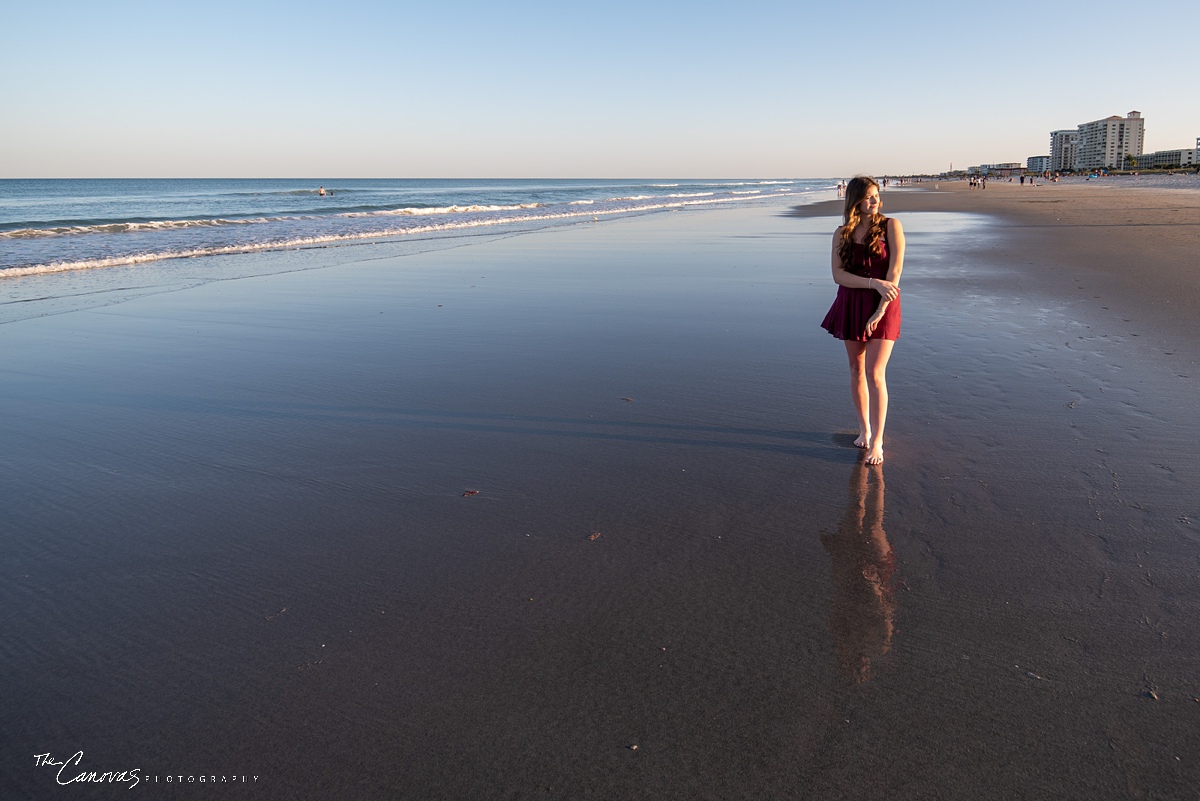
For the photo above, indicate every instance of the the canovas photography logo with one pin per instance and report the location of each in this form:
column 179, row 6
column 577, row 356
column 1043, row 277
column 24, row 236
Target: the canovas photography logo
column 73, row 771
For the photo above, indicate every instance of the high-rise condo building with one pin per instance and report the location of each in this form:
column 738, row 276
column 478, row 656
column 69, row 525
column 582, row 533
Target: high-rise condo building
column 1062, row 149
column 1104, row 144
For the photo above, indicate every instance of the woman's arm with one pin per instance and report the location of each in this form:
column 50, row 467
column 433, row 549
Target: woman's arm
column 896, row 247
column 895, row 267
column 842, row 277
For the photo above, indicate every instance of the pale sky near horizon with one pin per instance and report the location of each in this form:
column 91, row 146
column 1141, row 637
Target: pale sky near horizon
column 547, row 89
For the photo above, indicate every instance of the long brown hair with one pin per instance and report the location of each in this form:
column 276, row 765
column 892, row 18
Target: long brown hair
column 856, row 192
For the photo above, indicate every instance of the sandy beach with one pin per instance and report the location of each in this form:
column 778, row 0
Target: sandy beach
column 576, row 515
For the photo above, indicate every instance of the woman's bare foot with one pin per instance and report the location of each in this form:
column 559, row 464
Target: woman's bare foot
column 875, row 455
column 862, row 440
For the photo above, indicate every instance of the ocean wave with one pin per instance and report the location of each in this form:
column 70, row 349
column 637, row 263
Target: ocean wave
column 751, row 183
column 129, row 227
column 693, row 194
column 139, row 226
column 347, row 237
column 288, row 193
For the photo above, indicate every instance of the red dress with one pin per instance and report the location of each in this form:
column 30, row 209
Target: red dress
column 847, row 317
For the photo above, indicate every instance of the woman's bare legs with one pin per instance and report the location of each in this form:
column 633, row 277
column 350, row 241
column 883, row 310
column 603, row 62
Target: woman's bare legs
column 856, row 352
column 877, row 352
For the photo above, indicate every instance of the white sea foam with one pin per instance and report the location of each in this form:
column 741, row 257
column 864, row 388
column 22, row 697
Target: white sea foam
column 417, row 211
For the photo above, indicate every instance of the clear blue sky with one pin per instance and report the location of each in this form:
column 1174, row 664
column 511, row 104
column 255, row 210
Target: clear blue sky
column 562, row 89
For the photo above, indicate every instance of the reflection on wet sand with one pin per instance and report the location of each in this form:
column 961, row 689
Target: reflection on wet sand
column 863, row 606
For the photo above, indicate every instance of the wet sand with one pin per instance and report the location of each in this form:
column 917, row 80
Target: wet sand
column 237, row 541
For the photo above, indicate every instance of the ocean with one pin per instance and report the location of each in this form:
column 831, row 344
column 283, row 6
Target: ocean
column 72, row 243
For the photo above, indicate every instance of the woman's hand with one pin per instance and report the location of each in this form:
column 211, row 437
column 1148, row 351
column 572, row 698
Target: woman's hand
column 874, row 323
column 886, row 289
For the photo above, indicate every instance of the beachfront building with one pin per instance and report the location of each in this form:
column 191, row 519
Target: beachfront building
column 1037, row 164
column 1167, row 159
column 1002, row 170
column 1104, row 144
column 1062, row 149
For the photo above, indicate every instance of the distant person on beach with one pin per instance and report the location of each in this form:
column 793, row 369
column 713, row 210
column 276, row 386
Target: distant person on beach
column 868, row 257
column 321, row 191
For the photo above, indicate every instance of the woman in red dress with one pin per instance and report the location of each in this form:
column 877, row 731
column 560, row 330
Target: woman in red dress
column 868, row 257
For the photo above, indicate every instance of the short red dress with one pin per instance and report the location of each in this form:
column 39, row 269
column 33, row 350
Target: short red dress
column 852, row 308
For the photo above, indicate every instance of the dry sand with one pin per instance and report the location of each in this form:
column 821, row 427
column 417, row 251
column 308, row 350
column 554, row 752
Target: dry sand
column 236, row 541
